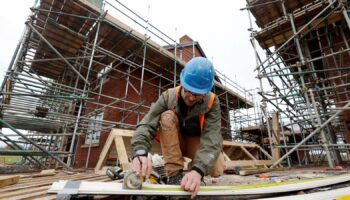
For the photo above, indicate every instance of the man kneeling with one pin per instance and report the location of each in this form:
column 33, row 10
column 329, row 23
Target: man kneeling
column 187, row 122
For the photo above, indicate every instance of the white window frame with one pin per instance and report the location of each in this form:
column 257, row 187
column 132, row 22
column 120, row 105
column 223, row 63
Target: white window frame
column 102, row 72
column 94, row 129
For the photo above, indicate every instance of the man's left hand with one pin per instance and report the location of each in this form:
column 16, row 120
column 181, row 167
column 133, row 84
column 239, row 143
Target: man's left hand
column 191, row 182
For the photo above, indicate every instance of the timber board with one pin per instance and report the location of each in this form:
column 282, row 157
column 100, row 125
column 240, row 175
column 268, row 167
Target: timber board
column 34, row 187
column 113, row 188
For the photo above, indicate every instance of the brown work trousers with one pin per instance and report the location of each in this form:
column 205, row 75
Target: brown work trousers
column 175, row 145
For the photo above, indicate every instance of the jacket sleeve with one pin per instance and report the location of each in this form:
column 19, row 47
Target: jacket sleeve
column 211, row 140
column 147, row 128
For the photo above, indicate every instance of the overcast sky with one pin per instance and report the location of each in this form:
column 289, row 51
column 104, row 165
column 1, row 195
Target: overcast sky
column 219, row 26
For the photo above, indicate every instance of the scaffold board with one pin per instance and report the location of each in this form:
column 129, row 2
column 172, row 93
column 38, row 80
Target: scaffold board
column 113, row 188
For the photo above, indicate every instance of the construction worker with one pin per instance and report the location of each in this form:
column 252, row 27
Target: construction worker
column 187, row 122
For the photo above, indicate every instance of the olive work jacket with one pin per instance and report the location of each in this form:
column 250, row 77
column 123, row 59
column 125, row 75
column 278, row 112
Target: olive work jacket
column 210, row 139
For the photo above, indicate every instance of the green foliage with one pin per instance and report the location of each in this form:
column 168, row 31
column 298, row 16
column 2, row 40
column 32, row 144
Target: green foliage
column 9, row 160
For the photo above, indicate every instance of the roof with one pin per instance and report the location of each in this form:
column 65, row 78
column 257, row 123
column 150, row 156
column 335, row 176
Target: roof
column 67, row 33
column 276, row 29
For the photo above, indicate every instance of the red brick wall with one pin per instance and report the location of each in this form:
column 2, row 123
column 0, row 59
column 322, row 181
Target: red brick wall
column 116, row 87
column 186, row 53
column 343, row 60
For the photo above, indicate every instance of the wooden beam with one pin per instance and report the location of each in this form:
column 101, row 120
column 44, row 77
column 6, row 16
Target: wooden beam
column 119, row 139
column 8, row 180
column 243, row 163
column 238, row 144
column 226, row 158
column 264, row 152
column 104, row 152
column 248, row 153
column 245, row 172
column 122, row 132
column 114, row 188
column 228, row 151
column 121, row 152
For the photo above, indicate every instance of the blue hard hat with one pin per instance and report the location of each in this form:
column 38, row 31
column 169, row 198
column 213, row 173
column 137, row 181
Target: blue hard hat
column 198, row 76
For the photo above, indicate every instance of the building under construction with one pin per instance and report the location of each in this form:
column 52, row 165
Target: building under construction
column 81, row 79
column 304, row 78
column 78, row 72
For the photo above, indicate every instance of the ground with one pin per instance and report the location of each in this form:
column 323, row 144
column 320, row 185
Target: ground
column 35, row 185
column 277, row 176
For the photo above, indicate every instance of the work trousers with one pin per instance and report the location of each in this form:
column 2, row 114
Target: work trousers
column 176, row 145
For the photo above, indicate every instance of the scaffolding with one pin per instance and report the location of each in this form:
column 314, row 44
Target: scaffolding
column 303, row 69
column 78, row 71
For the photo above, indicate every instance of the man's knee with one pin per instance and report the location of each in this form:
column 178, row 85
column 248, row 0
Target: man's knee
column 168, row 120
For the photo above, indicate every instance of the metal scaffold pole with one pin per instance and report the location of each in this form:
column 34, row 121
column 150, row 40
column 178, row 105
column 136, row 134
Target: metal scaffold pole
column 34, row 143
column 78, row 72
column 324, row 139
column 308, row 54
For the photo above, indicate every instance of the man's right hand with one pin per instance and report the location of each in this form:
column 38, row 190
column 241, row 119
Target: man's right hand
column 142, row 165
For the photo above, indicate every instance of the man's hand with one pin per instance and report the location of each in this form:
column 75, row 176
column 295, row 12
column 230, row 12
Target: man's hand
column 191, row 182
column 142, row 165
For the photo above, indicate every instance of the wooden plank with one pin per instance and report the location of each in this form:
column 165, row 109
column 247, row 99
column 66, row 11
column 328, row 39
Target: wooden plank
column 23, row 192
column 28, row 195
column 47, row 172
column 8, row 180
column 123, row 132
column 43, row 183
column 104, row 153
column 34, row 179
column 53, row 178
column 115, row 138
column 244, row 163
column 245, row 172
column 226, row 158
column 264, row 152
column 122, row 155
column 239, row 144
column 113, row 188
column 248, row 153
column 228, row 151
column 119, row 139
column 128, row 134
column 41, row 191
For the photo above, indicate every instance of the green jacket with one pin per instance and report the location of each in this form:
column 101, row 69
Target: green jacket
column 210, row 139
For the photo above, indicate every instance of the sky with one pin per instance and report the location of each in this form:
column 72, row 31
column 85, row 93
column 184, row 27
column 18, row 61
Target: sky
column 219, row 26
column 13, row 14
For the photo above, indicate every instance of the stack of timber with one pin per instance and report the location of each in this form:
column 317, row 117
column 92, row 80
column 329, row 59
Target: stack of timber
column 35, row 186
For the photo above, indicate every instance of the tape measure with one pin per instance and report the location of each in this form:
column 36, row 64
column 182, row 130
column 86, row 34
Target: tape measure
column 132, row 181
